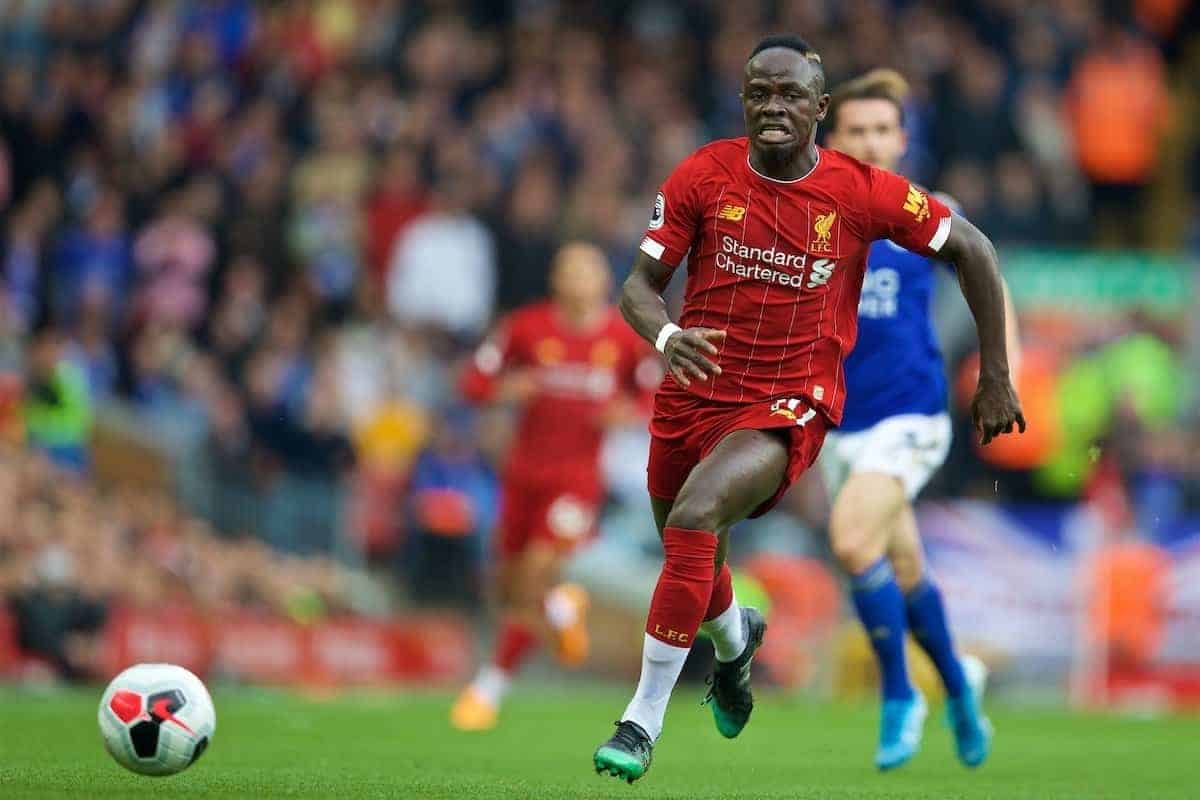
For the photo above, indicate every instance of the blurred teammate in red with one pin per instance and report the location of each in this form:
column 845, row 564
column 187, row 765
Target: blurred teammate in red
column 573, row 368
column 776, row 232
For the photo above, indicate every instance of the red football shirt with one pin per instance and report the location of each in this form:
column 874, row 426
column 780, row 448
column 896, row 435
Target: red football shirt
column 779, row 265
column 578, row 374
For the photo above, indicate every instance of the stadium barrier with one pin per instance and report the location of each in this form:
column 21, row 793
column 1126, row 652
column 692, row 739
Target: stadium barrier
column 1052, row 595
column 263, row 649
column 429, row 649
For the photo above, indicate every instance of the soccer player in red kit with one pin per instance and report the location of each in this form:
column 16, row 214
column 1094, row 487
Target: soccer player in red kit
column 776, row 231
column 572, row 367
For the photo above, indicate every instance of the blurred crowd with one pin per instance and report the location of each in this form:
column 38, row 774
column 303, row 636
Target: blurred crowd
column 268, row 230
column 69, row 554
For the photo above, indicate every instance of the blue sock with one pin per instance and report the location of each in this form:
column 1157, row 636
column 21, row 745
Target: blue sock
column 927, row 621
column 880, row 606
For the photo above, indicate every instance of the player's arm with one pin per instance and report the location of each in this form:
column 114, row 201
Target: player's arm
column 689, row 353
column 902, row 212
column 1012, row 332
column 673, row 225
column 995, row 408
column 494, row 373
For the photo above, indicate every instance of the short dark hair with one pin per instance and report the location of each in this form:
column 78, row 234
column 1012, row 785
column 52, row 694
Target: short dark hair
column 878, row 84
column 790, row 41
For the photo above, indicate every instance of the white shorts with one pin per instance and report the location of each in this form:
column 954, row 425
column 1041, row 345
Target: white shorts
column 909, row 446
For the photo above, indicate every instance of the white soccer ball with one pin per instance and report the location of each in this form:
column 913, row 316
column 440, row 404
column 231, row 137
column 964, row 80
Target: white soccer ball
column 156, row 719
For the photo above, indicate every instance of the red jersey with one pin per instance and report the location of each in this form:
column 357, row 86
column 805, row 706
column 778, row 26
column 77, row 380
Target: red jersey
column 578, row 374
column 779, row 265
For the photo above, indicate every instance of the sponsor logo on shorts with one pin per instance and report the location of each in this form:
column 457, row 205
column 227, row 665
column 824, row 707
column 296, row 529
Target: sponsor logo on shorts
column 915, row 442
column 568, row 518
column 790, row 408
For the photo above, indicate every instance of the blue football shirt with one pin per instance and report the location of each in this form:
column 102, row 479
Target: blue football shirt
column 896, row 365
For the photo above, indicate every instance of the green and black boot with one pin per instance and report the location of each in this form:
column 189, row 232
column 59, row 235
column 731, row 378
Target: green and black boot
column 729, row 685
column 627, row 754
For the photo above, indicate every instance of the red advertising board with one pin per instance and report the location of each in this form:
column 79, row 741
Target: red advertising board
column 260, row 648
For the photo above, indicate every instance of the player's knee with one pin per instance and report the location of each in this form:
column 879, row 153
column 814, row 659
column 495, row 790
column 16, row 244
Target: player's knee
column 909, row 569
column 854, row 547
column 696, row 511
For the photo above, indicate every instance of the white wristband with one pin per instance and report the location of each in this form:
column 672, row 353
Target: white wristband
column 668, row 330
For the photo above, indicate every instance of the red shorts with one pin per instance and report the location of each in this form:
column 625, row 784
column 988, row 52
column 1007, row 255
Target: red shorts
column 561, row 516
column 685, row 428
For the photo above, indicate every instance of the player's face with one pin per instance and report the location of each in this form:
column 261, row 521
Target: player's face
column 581, row 276
column 870, row 130
column 782, row 101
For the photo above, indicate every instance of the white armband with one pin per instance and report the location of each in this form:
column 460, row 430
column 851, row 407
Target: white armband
column 668, row 330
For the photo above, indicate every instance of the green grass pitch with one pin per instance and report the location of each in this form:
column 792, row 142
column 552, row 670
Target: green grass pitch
column 272, row 744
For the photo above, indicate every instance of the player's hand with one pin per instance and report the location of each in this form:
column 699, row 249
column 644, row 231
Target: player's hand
column 995, row 409
column 517, row 386
column 620, row 412
column 691, row 354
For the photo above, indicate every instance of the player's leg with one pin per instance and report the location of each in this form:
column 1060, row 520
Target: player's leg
column 736, row 634
column 864, row 516
column 538, row 528
column 743, row 471
column 723, row 620
column 478, row 706
column 963, row 676
column 566, row 520
column 560, row 608
column 924, row 609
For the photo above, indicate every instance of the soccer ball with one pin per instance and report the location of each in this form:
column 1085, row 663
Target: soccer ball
column 156, row 719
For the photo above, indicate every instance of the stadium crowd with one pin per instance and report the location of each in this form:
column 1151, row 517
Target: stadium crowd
column 69, row 553
column 268, row 231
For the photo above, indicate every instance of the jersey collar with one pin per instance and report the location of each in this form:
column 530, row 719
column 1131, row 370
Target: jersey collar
column 808, row 174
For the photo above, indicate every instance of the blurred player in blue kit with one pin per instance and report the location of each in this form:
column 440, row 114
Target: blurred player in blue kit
column 893, row 437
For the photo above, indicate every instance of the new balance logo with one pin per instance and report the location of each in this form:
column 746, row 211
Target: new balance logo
column 731, row 212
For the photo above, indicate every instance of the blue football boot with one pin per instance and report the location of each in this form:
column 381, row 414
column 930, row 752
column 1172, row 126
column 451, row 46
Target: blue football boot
column 902, row 723
column 972, row 730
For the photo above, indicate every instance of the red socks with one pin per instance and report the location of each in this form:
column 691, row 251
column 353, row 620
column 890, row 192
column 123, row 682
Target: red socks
column 722, row 594
column 513, row 645
column 685, row 586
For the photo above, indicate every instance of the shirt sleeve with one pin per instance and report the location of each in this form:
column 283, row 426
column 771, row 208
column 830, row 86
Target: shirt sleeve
column 675, row 217
column 906, row 214
column 499, row 351
column 955, row 209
